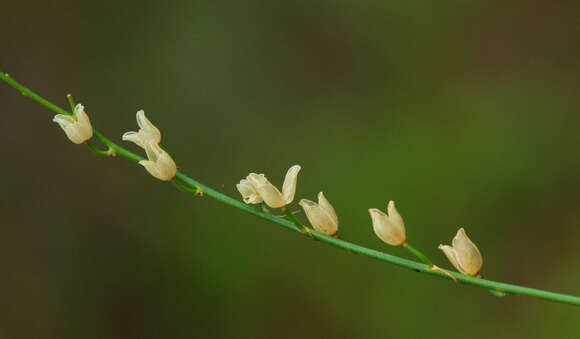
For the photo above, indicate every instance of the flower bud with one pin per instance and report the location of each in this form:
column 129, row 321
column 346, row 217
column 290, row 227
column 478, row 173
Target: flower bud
column 159, row 163
column 77, row 127
column 256, row 188
column 463, row 255
column 390, row 227
column 147, row 132
column 322, row 215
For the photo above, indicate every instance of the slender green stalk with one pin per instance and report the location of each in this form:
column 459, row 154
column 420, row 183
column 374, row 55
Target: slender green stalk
column 419, row 254
column 116, row 148
column 295, row 221
column 186, row 189
column 71, row 102
column 350, row 247
column 106, row 153
column 28, row 93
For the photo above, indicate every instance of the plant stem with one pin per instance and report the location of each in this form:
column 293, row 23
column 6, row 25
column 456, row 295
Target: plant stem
column 419, row 254
column 289, row 224
column 185, row 188
column 71, row 101
column 106, row 153
column 28, row 93
column 295, row 221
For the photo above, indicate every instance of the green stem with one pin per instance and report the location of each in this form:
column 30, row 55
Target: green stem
column 120, row 151
column 71, row 102
column 184, row 188
column 295, row 221
column 28, row 93
column 345, row 245
column 106, row 153
column 419, row 255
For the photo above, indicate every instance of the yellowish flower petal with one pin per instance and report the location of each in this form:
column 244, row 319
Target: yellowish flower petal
column 325, row 204
column 147, row 132
column 464, row 255
column 289, row 186
column 159, row 163
column 383, row 228
column 77, row 127
column 320, row 217
column 468, row 254
column 451, row 255
column 267, row 192
column 248, row 192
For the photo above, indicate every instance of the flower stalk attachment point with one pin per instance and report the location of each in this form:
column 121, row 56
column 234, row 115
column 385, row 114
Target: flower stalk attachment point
column 299, row 226
column 418, row 254
column 184, row 188
column 106, row 153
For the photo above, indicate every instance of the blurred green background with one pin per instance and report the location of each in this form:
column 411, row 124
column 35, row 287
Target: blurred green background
column 464, row 112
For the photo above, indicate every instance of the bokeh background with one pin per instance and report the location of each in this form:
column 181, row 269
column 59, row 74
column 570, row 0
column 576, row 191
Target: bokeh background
column 464, row 112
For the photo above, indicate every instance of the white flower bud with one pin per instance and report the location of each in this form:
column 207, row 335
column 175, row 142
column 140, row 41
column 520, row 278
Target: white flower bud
column 322, row 215
column 77, row 127
column 390, row 227
column 160, row 164
column 256, row 188
column 463, row 255
column 147, row 132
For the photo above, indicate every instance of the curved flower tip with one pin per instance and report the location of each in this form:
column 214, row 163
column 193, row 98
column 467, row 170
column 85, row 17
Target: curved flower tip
column 77, row 127
column 390, row 227
column 147, row 132
column 159, row 163
column 463, row 255
column 257, row 188
column 322, row 216
column 289, row 186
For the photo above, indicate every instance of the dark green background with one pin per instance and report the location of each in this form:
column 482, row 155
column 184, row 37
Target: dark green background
column 464, row 112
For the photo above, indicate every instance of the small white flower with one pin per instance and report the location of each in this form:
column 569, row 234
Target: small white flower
column 77, row 127
column 160, row 164
column 463, row 255
column 390, row 227
column 322, row 215
column 147, row 132
column 256, row 188
column 249, row 192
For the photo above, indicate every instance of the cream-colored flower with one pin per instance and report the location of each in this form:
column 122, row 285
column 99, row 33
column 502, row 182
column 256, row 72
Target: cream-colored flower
column 159, row 163
column 390, row 227
column 147, row 132
column 249, row 192
column 77, row 127
column 256, row 188
column 464, row 255
column 322, row 215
